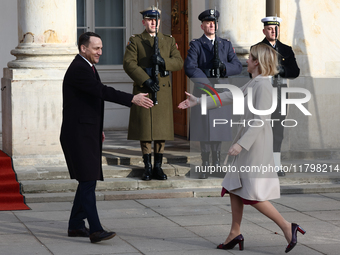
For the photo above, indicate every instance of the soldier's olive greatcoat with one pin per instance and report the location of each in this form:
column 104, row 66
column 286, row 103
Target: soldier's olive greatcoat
column 155, row 123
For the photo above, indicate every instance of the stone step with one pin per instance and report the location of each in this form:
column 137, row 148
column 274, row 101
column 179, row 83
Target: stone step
column 132, row 156
column 175, row 169
column 173, row 193
column 176, row 182
column 38, row 183
column 311, row 154
column 119, row 158
column 115, row 158
column 117, row 184
column 109, row 171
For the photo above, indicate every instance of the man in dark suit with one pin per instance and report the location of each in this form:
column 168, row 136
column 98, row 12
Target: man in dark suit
column 288, row 69
column 200, row 66
column 82, row 133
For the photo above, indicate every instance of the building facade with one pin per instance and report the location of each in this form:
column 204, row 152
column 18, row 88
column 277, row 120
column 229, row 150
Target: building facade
column 308, row 26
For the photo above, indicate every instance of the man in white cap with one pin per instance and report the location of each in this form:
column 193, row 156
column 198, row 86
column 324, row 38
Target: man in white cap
column 288, row 69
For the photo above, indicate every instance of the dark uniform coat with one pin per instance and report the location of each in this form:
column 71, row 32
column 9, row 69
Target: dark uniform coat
column 286, row 58
column 199, row 59
column 82, row 125
column 155, row 123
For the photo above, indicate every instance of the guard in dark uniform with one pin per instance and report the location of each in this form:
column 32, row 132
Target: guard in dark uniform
column 288, row 69
column 157, row 124
column 200, row 66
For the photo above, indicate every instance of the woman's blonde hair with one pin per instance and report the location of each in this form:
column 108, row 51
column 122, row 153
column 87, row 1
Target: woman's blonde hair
column 267, row 58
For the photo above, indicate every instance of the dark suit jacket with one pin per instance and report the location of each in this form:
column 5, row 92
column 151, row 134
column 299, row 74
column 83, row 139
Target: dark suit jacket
column 83, row 113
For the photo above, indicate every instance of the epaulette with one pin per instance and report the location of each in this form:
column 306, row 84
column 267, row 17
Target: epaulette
column 129, row 40
column 168, row 35
column 136, row 35
column 226, row 39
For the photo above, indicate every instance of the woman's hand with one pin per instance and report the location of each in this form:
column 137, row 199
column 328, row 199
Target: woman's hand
column 235, row 149
column 189, row 102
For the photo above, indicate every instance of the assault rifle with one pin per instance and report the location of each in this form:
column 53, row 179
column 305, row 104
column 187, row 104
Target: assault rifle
column 156, row 66
column 216, row 57
column 215, row 71
column 278, row 55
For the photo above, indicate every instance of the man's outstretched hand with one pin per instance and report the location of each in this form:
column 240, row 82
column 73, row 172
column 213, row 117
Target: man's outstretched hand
column 142, row 100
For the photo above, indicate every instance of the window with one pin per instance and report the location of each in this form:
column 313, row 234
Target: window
column 108, row 19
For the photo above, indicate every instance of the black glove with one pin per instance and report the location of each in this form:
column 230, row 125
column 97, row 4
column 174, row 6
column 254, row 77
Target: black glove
column 217, row 64
column 158, row 60
column 149, row 83
column 281, row 71
column 223, row 70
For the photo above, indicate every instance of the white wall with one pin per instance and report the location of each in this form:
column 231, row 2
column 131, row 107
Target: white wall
column 311, row 28
column 9, row 35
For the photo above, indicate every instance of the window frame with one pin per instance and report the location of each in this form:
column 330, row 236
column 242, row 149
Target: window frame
column 90, row 26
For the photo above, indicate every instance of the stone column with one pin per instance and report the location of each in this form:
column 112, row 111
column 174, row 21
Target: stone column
column 240, row 22
column 32, row 83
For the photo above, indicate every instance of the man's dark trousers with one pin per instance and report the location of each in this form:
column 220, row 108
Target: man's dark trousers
column 84, row 207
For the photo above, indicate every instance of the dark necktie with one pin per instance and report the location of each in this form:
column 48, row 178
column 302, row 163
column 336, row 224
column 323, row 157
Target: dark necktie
column 212, row 41
column 93, row 69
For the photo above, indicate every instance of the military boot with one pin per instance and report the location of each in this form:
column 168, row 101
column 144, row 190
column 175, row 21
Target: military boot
column 147, row 167
column 216, row 158
column 277, row 162
column 157, row 170
column 205, row 165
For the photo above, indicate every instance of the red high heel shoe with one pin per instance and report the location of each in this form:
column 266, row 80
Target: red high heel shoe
column 293, row 242
column 237, row 240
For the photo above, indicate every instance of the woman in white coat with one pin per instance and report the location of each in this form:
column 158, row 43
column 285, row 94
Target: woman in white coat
column 253, row 149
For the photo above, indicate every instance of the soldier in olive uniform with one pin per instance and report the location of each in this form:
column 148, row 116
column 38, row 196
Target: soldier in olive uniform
column 288, row 69
column 157, row 124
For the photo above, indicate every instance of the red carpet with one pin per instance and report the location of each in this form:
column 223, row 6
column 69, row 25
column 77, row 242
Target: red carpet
column 10, row 197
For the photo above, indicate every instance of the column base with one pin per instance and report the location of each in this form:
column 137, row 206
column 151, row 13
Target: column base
column 32, row 115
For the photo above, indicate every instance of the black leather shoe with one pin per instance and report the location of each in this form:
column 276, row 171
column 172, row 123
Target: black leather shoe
column 203, row 176
column 281, row 173
column 101, row 235
column 83, row 232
